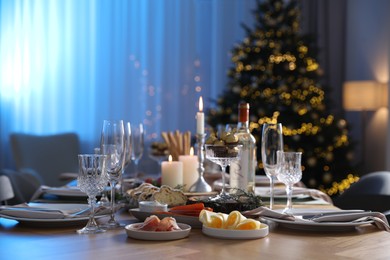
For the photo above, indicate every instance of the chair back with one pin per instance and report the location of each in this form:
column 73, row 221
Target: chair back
column 6, row 191
column 371, row 192
column 47, row 155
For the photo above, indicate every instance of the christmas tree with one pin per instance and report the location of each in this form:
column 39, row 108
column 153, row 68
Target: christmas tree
column 276, row 72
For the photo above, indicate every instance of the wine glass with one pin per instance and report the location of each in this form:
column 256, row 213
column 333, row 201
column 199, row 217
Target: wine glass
column 289, row 172
column 137, row 151
column 272, row 141
column 92, row 179
column 112, row 144
column 223, row 155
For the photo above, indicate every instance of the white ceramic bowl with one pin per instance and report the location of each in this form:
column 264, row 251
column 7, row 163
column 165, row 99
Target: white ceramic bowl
column 152, row 206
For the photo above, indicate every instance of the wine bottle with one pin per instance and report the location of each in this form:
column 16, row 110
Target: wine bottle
column 242, row 172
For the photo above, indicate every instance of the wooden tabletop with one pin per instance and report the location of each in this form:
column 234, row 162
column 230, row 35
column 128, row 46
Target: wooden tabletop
column 23, row 242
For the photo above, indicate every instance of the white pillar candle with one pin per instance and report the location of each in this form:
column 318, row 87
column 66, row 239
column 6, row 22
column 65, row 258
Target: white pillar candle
column 171, row 173
column 200, row 118
column 190, row 169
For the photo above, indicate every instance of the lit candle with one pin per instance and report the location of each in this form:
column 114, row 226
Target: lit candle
column 190, row 169
column 171, row 173
column 200, row 118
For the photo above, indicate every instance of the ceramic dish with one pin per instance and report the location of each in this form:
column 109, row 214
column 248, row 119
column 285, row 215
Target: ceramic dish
column 280, row 193
column 133, row 232
column 49, row 218
column 236, row 234
column 189, row 220
column 301, row 224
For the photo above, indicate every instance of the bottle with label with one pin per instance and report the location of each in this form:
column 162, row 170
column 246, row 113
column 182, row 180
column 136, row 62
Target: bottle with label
column 242, row 172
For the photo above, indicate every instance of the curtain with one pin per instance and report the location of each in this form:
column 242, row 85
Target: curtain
column 66, row 65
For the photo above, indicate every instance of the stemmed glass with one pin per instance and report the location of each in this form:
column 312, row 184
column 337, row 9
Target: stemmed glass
column 128, row 146
column 289, row 172
column 92, row 179
column 112, row 144
column 272, row 141
column 223, row 155
column 127, row 156
column 104, row 201
column 137, row 137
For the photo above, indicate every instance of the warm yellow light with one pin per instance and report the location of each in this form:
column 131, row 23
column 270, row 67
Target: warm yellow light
column 364, row 95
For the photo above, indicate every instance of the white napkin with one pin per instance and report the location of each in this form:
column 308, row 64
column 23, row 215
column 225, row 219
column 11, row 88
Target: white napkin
column 266, row 212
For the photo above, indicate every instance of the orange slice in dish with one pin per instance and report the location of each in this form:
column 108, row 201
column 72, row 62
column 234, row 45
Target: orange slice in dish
column 248, row 224
column 234, row 218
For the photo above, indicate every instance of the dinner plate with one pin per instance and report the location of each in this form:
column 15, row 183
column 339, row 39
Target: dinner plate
column 133, row 232
column 307, row 225
column 189, row 220
column 236, row 234
column 279, row 193
column 64, row 191
column 52, row 222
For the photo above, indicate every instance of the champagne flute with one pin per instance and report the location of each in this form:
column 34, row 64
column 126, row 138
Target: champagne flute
column 112, row 144
column 92, row 179
column 223, row 155
column 137, row 151
column 104, row 201
column 127, row 156
column 289, row 172
column 272, row 141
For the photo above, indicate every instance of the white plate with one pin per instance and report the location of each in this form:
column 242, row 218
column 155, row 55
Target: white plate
column 236, row 234
column 262, row 180
column 64, row 191
column 51, row 222
column 189, row 220
column 133, row 232
column 301, row 224
column 280, row 193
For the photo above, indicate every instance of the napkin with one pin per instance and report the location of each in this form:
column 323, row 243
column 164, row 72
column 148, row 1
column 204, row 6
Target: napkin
column 266, row 212
column 379, row 219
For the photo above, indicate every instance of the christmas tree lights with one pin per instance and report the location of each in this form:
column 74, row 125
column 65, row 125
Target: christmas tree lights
column 275, row 70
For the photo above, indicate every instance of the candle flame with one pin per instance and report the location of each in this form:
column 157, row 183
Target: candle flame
column 170, row 158
column 192, row 151
column 201, row 104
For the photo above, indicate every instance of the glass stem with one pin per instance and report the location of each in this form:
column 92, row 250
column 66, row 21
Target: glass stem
column 113, row 184
column 271, row 198
column 92, row 201
column 289, row 197
column 223, row 192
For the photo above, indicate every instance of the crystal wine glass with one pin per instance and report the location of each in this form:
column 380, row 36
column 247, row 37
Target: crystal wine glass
column 289, row 172
column 223, row 155
column 92, row 179
column 272, row 141
column 137, row 138
column 112, row 144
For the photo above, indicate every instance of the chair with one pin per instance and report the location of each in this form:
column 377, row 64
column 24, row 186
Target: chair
column 50, row 156
column 6, row 191
column 23, row 185
column 371, row 192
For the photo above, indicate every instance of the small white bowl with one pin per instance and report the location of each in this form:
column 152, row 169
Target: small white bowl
column 152, row 206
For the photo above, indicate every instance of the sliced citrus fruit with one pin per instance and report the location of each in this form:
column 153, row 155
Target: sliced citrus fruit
column 248, row 224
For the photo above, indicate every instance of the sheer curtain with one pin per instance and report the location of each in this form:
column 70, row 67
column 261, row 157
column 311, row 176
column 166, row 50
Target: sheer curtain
column 65, row 65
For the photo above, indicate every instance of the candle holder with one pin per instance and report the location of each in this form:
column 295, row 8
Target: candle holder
column 200, row 185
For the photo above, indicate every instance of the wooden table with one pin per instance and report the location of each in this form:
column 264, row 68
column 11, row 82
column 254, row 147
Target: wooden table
column 22, row 242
